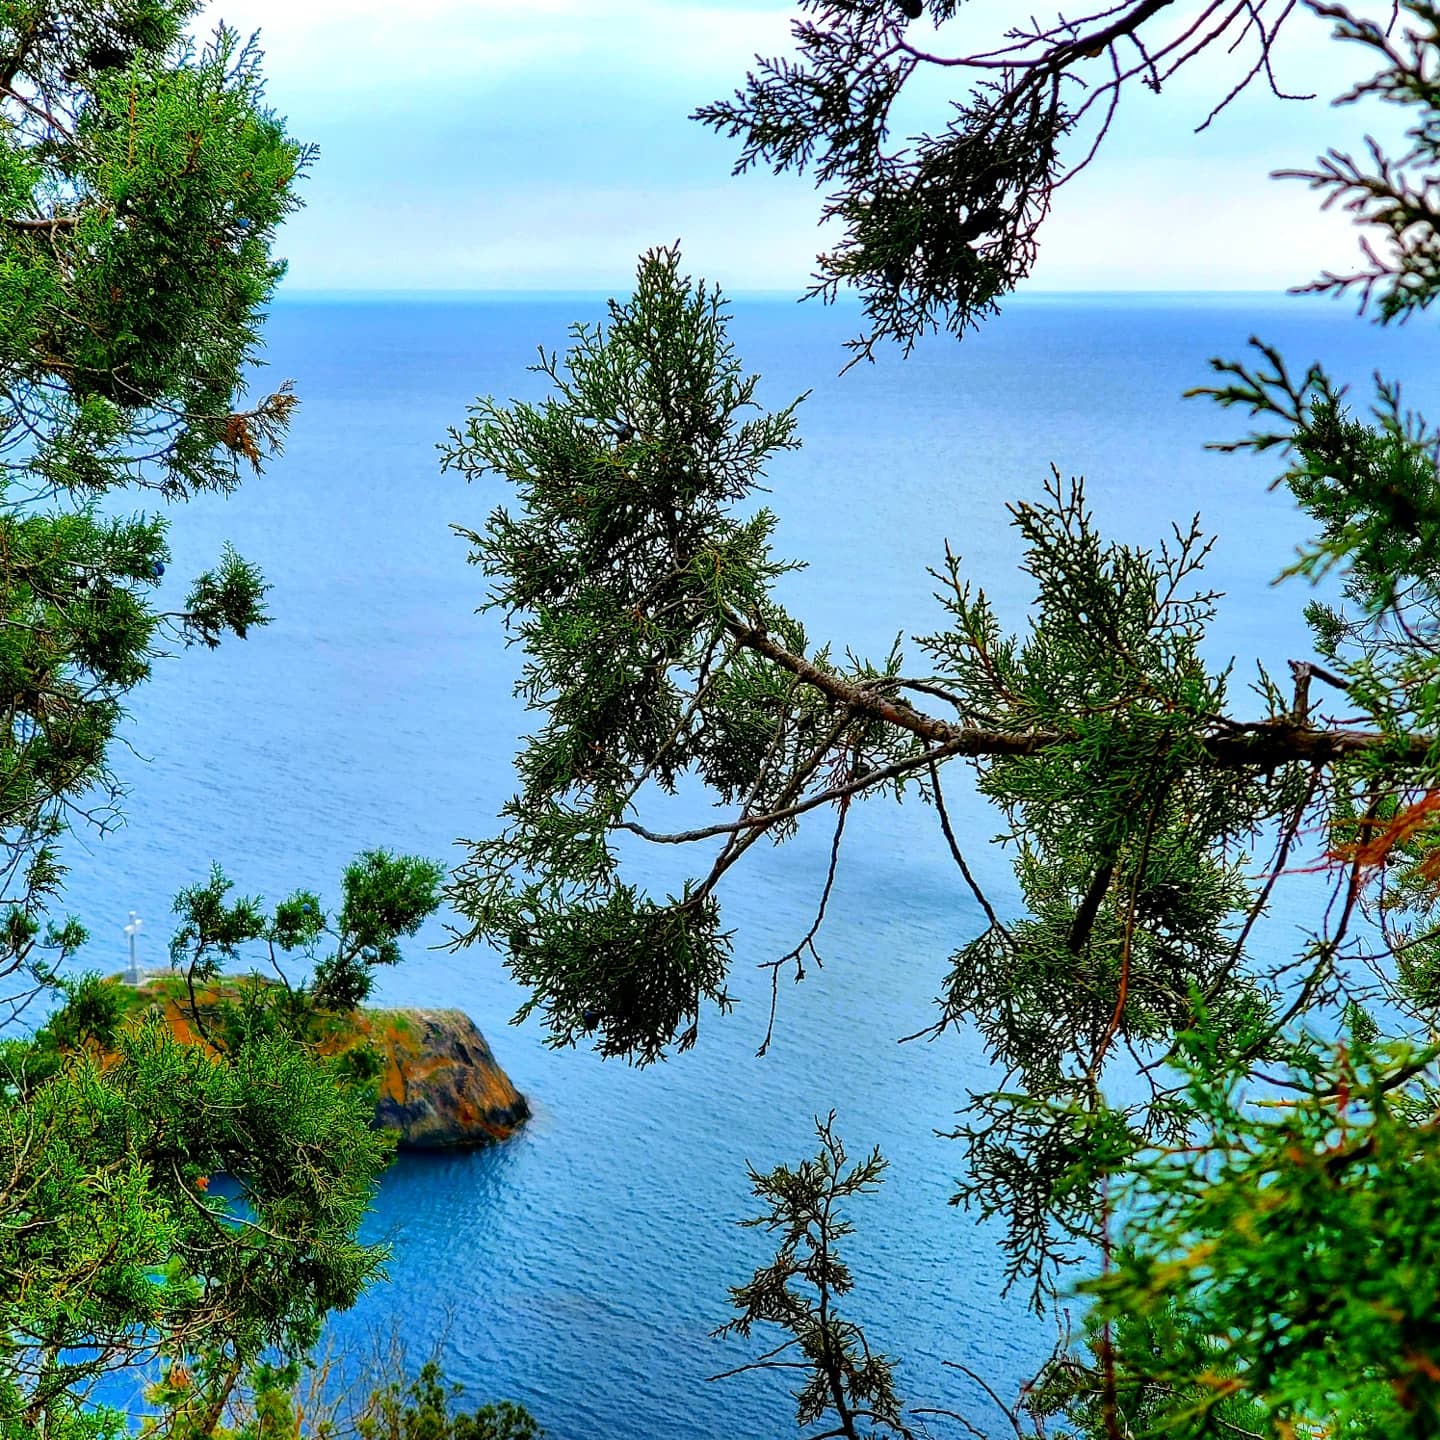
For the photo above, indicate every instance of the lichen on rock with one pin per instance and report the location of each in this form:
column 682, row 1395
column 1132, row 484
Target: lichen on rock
column 438, row 1087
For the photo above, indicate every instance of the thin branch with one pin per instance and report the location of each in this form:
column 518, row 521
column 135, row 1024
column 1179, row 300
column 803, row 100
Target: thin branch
column 1277, row 867
column 1233, row 745
column 959, row 859
column 750, row 823
column 979, row 1380
column 808, row 942
column 50, row 223
column 1123, row 987
column 1056, row 58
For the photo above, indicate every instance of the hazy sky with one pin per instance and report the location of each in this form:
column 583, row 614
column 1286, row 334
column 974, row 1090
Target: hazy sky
column 542, row 144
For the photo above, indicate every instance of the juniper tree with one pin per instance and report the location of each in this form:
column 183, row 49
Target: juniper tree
column 116, row 1253
column 843, row 1383
column 141, row 180
column 1256, row 1163
column 936, row 227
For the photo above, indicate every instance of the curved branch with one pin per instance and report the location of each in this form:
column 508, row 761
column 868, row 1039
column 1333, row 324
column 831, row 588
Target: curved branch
column 1265, row 744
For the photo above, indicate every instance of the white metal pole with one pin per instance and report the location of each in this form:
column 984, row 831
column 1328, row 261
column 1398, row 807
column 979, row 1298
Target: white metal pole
column 132, row 930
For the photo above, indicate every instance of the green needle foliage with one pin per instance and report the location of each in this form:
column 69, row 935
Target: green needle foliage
column 141, row 182
column 142, row 178
column 1287, row 1254
column 1174, row 1108
column 842, row 1381
column 662, row 653
column 114, row 1253
column 617, row 577
column 937, row 226
column 115, row 1250
column 424, row 1409
column 294, row 1402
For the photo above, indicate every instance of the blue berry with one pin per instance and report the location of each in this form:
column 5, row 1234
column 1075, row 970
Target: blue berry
column 243, row 223
column 158, row 569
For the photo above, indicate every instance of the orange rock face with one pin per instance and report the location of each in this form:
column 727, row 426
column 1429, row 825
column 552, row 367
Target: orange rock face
column 440, row 1087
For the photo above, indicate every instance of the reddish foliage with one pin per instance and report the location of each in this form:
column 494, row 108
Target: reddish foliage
column 1376, row 839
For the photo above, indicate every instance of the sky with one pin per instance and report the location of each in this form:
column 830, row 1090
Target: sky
column 496, row 145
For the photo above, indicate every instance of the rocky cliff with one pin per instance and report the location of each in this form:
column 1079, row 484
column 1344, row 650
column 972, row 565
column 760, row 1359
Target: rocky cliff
column 439, row 1085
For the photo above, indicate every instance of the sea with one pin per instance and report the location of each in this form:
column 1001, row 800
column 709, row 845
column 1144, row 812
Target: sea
column 581, row 1267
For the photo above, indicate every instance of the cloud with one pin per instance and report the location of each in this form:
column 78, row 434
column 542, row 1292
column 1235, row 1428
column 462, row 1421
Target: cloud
column 346, row 59
column 481, row 143
column 551, row 239
column 1140, row 227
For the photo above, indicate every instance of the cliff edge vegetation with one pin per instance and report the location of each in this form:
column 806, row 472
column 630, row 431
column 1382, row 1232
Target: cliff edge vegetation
column 436, row 1081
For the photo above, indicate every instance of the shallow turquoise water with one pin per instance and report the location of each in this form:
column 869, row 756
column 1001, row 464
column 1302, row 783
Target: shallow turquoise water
column 581, row 1267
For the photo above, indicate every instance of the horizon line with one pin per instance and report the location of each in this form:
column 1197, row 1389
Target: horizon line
column 434, row 293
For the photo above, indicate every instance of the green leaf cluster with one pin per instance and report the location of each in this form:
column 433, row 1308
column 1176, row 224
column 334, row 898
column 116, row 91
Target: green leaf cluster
column 618, row 576
column 424, row 1409
column 384, row 897
column 841, row 1379
column 1279, row 1263
column 114, row 1248
column 142, row 180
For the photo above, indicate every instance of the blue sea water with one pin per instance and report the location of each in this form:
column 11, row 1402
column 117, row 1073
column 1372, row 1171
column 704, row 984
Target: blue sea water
column 580, row 1267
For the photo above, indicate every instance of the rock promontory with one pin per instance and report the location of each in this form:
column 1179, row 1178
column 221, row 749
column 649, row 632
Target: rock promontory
column 439, row 1086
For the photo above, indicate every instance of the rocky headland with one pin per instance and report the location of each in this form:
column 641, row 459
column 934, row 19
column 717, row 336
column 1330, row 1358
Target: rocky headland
column 439, row 1086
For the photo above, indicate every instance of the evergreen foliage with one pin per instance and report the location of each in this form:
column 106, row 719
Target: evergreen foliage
column 424, row 1409
column 385, row 896
column 1283, row 1258
column 115, row 1249
column 617, row 578
column 936, row 228
column 841, row 1379
column 1177, row 1108
column 141, row 182
column 142, row 178
column 295, row 1402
